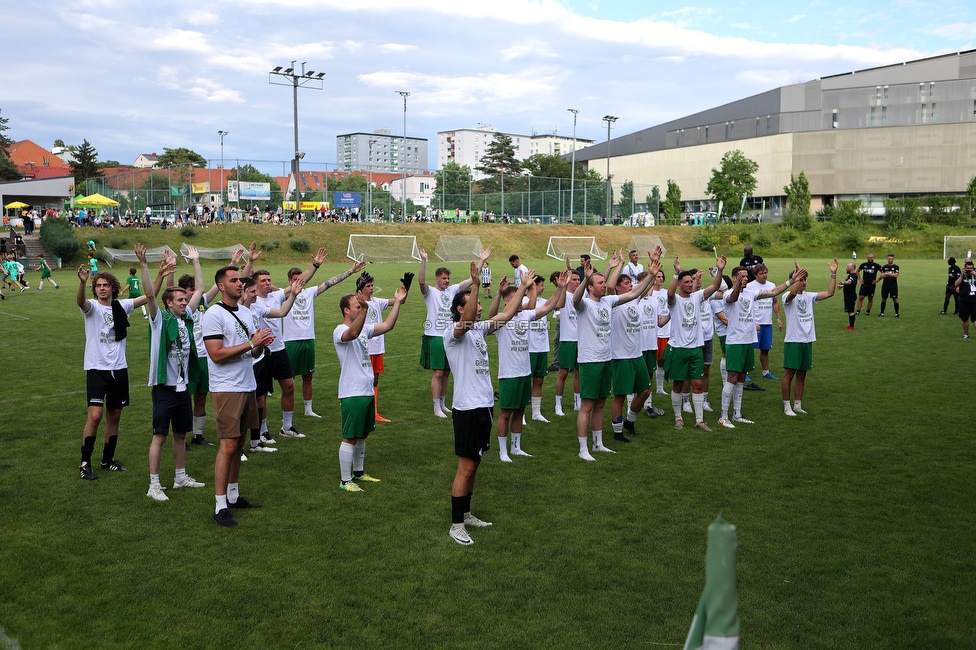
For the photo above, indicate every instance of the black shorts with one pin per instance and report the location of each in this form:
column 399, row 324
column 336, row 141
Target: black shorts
column 108, row 388
column 967, row 311
column 849, row 302
column 867, row 290
column 280, row 364
column 262, row 375
column 170, row 407
column 889, row 291
column 472, row 431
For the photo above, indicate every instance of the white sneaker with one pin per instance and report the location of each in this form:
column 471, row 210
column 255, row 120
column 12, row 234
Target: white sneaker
column 445, row 410
column 243, row 458
column 261, row 447
column 460, row 535
column 686, row 407
column 540, row 418
column 471, row 520
column 187, row 482
column 585, row 455
column 797, row 409
column 726, row 424
column 519, row 452
column 560, row 414
column 788, row 411
column 309, row 413
column 291, row 432
column 440, row 414
column 505, row 458
column 156, row 492
column 742, row 420
column 267, row 439
column 707, row 407
column 661, row 392
column 603, row 449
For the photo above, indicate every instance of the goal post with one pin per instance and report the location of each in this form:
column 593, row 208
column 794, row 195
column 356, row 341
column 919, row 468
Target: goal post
column 562, row 247
column 111, row 255
column 225, row 253
column 644, row 244
column 458, row 248
column 958, row 247
column 382, row 248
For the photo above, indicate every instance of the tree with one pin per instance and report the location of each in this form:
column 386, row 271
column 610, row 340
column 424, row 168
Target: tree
column 549, row 166
column 180, row 157
column 654, row 202
column 626, row 206
column 971, row 195
column 8, row 170
column 798, row 203
column 672, row 203
column 250, row 174
column 154, row 190
column 736, row 179
column 85, row 164
column 498, row 162
column 453, row 184
column 59, row 143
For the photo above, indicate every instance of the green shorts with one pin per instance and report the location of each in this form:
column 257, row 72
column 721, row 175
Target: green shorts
column 595, row 380
column 514, row 392
column 568, row 352
column 629, row 376
column 739, row 357
column 301, row 354
column 721, row 341
column 358, row 416
column 45, row 273
column 201, row 385
column 432, row 355
column 798, row 356
column 650, row 360
column 539, row 362
column 682, row 364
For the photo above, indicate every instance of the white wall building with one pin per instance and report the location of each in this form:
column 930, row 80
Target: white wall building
column 467, row 146
column 420, row 189
column 555, row 145
column 145, row 161
column 388, row 152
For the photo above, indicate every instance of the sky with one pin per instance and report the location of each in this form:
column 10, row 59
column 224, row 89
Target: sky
column 136, row 77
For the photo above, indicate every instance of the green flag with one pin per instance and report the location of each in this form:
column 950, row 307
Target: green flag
column 716, row 622
column 179, row 190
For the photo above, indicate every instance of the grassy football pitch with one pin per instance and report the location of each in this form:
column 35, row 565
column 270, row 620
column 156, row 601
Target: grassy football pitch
column 855, row 522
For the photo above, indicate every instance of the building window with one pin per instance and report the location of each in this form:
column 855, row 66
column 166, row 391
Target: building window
column 884, row 115
column 877, row 95
column 732, row 130
column 726, row 130
column 706, row 128
column 885, row 95
column 874, row 117
column 769, row 120
column 932, row 90
column 833, row 119
column 757, row 126
column 921, row 92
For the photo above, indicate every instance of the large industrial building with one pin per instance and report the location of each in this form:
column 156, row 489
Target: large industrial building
column 907, row 129
column 381, row 151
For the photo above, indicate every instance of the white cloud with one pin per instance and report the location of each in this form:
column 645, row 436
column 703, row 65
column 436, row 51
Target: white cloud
column 202, row 17
column 796, row 18
column 957, row 31
column 532, row 49
column 741, row 26
column 396, row 48
column 181, row 40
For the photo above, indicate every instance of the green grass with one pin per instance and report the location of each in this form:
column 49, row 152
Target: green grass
column 855, row 523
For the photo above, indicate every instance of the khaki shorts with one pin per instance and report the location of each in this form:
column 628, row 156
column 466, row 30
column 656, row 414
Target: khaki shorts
column 235, row 413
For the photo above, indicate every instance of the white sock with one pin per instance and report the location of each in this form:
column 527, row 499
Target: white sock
column 582, row 444
column 264, row 425
column 660, row 380
column 631, row 416
column 576, row 401
column 233, row 492
column 798, row 405
column 705, row 397
column 737, row 400
column 725, row 373
column 503, row 447
column 358, row 455
column 180, row 474
column 559, row 403
column 443, row 402
column 198, row 422
column 536, row 406
column 697, row 402
column 727, row 392
column 630, row 398
column 685, row 398
column 676, row 404
column 287, row 417
column 153, row 479
column 221, row 503
column 617, row 426
column 308, row 405
column 437, row 406
column 516, row 440
column 345, row 461
column 597, row 438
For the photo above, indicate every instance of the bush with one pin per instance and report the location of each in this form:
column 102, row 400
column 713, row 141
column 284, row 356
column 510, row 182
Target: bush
column 797, row 220
column 118, row 242
column 787, row 234
column 851, row 238
column 762, row 239
column 300, row 244
column 706, row 238
column 57, row 236
column 850, row 213
column 734, row 240
column 189, row 231
column 268, row 246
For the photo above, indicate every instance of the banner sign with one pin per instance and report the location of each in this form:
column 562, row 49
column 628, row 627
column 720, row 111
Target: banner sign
column 304, row 205
column 348, row 199
column 254, row 191
column 179, row 190
column 201, row 188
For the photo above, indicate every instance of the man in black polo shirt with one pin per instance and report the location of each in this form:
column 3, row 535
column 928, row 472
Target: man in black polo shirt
column 966, row 284
column 850, row 294
column 750, row 262
column 889, row 285
column 868, row 272
column 950, row 290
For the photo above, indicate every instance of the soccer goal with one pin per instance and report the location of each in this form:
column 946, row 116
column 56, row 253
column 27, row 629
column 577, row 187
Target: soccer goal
column 644, row 244
column 960, row 248
column 225, row 253
column 112, row 255
column 562, row 247
column 458, row 248
column 382, row 248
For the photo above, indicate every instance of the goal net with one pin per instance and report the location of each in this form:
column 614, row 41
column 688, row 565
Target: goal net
column 645, row 244
column 562, row 247
column 959, row 247
column 382, row 248
column 458, row 248
column 112, row 255
column 225, row 253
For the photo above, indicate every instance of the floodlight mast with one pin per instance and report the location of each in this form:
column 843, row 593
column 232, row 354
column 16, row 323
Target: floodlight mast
column 609, row 119
column 296, row 80
column 400, row 156
column 572, row 173
column 221, row 133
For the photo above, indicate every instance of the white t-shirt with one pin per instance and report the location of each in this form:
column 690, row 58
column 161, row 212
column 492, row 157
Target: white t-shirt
column 663, row 310
column 439, row 309
column 625, row 331
column 742, row 325
column 513, row 346
column 468, row 358
column 648, row 312
column 522, row 268
column 633, row 270
column 177, row 357
column 762, row 310
column 355, row 368
column 374, row 316
column 686, row 331
column 274, row 300
column 102, row 351
column 234, row 375
column 705, row 320
column 800, row 327
column 299, row 324
column 568, row 327
column 539, row 331
column 717, row 304
column 198, row 329
column 593, row 320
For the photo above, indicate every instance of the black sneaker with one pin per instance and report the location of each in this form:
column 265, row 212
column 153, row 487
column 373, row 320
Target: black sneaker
column 113, row 466
column 87, row 472
column 881, row 315
column 198, row 440
column 629, row 427
column 620, row 437
column 242, row 504
column 224, row 518
column 752, row 386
